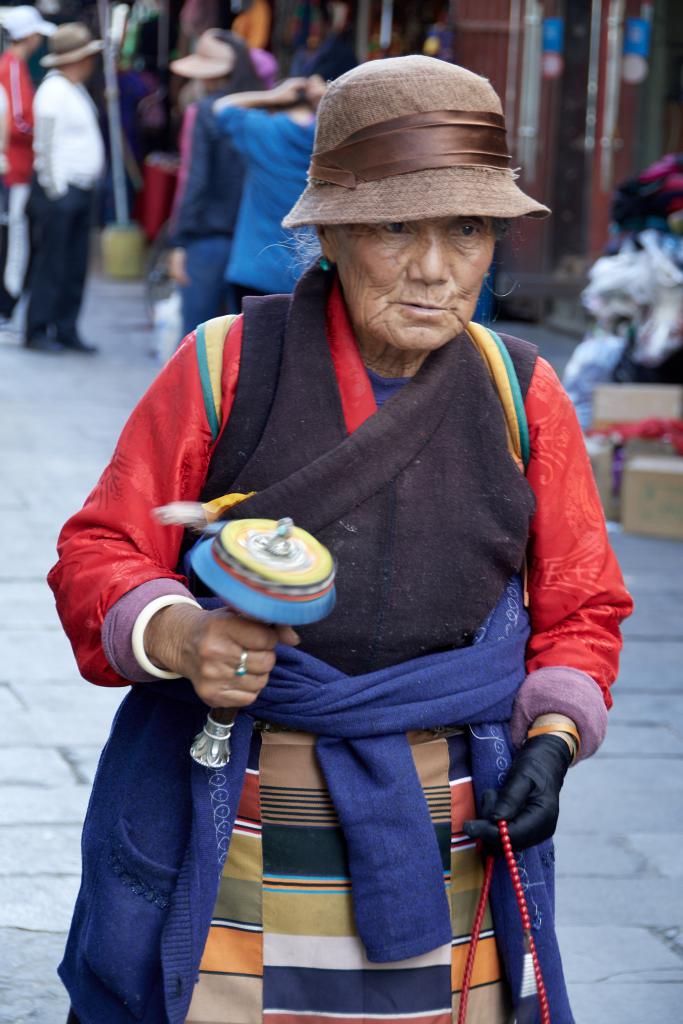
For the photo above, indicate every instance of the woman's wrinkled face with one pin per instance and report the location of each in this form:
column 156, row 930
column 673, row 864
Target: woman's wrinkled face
column 412, row 285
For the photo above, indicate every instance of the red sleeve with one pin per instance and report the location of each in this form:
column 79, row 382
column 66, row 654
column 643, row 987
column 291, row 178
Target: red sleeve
column 576, row 590
column 114, row 544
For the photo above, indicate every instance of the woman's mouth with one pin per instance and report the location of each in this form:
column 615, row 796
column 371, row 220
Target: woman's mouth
column 423, row 309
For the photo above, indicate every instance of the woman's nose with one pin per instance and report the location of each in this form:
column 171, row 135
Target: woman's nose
column 429, row 263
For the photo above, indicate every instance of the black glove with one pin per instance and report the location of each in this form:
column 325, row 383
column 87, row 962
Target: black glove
column 530, row 797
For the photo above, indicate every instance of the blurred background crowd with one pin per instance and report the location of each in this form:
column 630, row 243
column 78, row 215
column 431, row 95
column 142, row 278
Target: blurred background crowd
column 592, row 92
column 181, row 131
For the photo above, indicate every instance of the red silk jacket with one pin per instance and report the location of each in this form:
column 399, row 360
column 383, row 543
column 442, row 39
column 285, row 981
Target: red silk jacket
column 577, row 594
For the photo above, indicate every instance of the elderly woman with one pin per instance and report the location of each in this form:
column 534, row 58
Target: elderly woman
column 336, row 876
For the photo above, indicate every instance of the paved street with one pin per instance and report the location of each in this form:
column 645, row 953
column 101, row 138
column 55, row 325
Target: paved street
column 620, row 898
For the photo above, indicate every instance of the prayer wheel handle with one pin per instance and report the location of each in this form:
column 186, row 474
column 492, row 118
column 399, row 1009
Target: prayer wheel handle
column 271, row 572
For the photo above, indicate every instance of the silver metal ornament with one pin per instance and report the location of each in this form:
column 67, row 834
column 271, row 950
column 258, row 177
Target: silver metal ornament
column 211, row 747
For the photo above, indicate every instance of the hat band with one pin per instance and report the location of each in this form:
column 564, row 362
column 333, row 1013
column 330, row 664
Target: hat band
column 414, row 142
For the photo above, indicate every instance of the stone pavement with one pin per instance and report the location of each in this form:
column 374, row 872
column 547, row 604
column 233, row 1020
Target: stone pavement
column 620, row 899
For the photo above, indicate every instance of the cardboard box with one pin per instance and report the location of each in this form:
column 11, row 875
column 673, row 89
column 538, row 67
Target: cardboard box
column 647, row 446
column 628, row 403
column 652, row 496
column 601, row 453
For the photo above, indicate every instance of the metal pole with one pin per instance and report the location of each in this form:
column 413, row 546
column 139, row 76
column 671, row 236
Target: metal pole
column 111, row 87
column 386, row 26
column 362, row 29
column 512, row 68
column 530, row 104
column 593, row 80
column 610, row 109
column 591, row 122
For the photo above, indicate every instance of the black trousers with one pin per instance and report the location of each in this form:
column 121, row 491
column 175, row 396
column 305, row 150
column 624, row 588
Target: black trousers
column 60, row 237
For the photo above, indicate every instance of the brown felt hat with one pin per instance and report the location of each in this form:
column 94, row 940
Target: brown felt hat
column 408, row 138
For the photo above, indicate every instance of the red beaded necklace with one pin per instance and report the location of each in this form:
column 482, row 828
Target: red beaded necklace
column 532, row 979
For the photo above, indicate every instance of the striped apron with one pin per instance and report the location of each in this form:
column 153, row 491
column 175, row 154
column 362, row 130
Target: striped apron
column 283, row 948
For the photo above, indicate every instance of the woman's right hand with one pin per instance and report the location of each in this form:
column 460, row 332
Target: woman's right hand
column 206, row 646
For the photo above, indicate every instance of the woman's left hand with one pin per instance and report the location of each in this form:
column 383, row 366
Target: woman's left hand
column 177, row 264
column 529, row 799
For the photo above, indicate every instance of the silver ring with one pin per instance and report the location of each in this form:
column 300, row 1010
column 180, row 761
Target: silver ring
column 241, row 669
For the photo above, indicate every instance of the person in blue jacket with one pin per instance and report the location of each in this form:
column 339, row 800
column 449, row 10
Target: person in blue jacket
column 273, row 132
column 211, row 176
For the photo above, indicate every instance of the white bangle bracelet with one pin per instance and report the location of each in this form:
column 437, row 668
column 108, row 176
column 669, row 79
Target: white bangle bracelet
column 138, row 635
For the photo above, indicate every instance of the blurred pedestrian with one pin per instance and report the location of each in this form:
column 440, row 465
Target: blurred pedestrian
column 26, row 29
column 324, row 44
column 211, row 175
column 69, row 160
column 274, row 131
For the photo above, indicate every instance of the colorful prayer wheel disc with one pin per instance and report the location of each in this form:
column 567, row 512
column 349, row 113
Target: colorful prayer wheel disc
column 272, row 571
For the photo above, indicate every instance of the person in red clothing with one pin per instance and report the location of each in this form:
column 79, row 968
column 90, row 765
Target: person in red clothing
column 26, row 30
column 381, row 430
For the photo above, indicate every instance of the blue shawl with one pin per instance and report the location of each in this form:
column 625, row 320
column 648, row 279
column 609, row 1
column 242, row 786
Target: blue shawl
column 400, row 904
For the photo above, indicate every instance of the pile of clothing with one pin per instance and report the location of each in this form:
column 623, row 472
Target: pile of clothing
column 635, row 291
column 639, row 292
column 652, row 199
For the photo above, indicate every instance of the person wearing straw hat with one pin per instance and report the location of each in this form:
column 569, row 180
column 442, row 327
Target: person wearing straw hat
column 210, row 179
column 332, row 869
column 26, row 29
column 69, row 161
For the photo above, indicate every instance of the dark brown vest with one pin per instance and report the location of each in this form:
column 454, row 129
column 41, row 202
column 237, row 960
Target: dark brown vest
column 423, row 507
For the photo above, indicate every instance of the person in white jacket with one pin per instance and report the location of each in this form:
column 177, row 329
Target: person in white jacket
column 25, row 30
column 68, row 164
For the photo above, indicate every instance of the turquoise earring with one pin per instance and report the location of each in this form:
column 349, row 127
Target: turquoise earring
column 324, row 263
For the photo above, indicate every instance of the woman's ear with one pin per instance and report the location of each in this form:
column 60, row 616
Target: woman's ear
column 327, row 240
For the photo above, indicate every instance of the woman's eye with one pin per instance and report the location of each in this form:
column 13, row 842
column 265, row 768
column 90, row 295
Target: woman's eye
column 396, row 227
column 468, row 229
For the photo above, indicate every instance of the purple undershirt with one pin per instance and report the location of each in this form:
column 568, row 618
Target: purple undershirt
column 384, row 387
